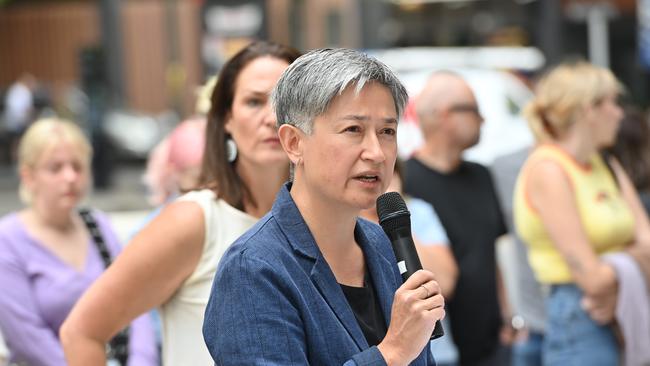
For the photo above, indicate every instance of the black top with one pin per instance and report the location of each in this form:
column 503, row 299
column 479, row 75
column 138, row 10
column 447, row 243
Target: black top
column 366, row 310
column 467, row 205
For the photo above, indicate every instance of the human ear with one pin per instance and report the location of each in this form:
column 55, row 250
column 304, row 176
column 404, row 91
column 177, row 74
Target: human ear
column 26, row 177
column 227, row 123
column 291, row 140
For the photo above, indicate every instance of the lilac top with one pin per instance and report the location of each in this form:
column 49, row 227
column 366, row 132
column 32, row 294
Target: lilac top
column 38, row 290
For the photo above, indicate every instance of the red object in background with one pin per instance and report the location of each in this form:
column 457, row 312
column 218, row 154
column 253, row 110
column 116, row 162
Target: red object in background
column 624, row 6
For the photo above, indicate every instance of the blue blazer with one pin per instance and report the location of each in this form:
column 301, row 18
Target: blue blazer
column 275, row 300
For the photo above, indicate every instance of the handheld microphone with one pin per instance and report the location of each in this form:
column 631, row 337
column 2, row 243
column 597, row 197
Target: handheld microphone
column 395, row 219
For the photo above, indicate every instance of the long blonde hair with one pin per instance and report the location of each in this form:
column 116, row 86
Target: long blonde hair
column 42, row 135
column 561, row 95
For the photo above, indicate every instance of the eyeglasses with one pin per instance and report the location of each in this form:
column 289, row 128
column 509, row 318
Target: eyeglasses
column 466, row 108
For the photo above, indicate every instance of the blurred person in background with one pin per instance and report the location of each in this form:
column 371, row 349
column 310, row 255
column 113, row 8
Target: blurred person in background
column 49, row 254
column 526, row 297
column 311, row 282
column 430, row 237
column 433, row 249
column 572, row 206
column 174, row 165
column 19, row 110
column 632, row 149
column 171, row 263
column 463, row 195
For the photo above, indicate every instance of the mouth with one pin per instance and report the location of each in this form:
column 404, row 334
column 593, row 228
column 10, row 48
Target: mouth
column 272, row 140
column 368, row 178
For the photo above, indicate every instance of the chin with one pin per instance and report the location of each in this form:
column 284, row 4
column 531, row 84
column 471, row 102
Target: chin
column 365, row 203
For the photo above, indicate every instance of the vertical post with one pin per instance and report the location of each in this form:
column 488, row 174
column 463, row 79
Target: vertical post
column 598, row 35
column 111, row 36
column 547, row 17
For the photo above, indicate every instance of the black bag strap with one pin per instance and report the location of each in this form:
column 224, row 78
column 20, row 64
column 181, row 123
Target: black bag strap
column 118, row 348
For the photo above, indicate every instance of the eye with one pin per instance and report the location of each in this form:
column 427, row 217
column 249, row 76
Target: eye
column 78, row 167
column 352, row 129
column 389, row 131
column 53, row 167
column 255, row 102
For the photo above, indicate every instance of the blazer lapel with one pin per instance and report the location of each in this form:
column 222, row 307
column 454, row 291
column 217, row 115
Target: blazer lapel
column 302, row 241
column 331, row 291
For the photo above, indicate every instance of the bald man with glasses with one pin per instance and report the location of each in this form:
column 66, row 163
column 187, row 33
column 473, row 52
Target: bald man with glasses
column 464, row 197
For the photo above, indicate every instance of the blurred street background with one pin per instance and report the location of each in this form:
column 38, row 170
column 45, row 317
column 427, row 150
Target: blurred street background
column 128, row 70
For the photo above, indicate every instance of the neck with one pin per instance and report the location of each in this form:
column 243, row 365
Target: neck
column 370, row 214
column 44, row 217
column 331, row 226
column 264, row 185
column 580, row 148
column 438, row 154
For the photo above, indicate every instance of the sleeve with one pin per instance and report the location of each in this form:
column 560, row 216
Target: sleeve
column 29, row 338
column 425, row 223
column 250, row 319
column 142, row 341
column 142, row 344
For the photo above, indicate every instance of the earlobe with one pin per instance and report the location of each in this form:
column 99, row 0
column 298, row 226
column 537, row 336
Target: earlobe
column 226, row 125
column 26, row 177
column 291, row 140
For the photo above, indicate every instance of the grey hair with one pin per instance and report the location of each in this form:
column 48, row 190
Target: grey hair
column 311, row 82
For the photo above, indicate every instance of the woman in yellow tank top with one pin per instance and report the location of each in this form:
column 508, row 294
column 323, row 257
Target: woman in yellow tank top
column 570, row 209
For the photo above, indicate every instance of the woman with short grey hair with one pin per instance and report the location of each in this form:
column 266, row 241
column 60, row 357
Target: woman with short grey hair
column 311, row 282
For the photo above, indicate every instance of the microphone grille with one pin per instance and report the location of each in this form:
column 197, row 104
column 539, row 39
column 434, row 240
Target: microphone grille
column 391, row 204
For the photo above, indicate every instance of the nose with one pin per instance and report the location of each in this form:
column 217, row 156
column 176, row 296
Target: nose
column 618, row 112
column 268, row 118
column 70, row 173
column 372, row 148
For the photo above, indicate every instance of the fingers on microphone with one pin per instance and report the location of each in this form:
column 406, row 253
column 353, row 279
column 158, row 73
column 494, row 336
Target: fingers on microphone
column 418, row 278
column 433, row 287
column 435, row 306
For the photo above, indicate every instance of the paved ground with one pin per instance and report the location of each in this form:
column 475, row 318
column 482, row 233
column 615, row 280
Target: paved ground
column 125, row 201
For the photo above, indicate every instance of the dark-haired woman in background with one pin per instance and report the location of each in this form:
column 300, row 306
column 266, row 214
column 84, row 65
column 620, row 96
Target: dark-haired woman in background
column 172, row 261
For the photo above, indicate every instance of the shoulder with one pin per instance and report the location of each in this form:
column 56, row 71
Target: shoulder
column 416, row 205
column 102, row 219
column 422, row 210
column 262, row 242
column 9, row 223
column 475, row 168
column 261, row 252
column 201, row 195
column 477, row 173
column 12, row 240
column 546, row 178
column 12, row 231
column 545, row 171
column 180, row 223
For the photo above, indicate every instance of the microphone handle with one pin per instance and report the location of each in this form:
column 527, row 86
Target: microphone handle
column 408, row 263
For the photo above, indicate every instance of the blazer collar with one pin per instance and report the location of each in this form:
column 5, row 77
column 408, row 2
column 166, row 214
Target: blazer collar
column 302, row 241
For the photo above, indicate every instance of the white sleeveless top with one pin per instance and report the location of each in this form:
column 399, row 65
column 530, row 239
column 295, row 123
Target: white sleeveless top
column 182, row 315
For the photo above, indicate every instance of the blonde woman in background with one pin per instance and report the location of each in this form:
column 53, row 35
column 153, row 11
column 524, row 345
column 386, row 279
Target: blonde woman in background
column 48, row 257
column 570, row 208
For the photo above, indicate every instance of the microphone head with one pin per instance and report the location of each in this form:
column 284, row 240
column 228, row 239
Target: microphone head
column 392, row 212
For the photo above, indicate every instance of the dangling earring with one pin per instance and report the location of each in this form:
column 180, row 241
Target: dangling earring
column 231, row 150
